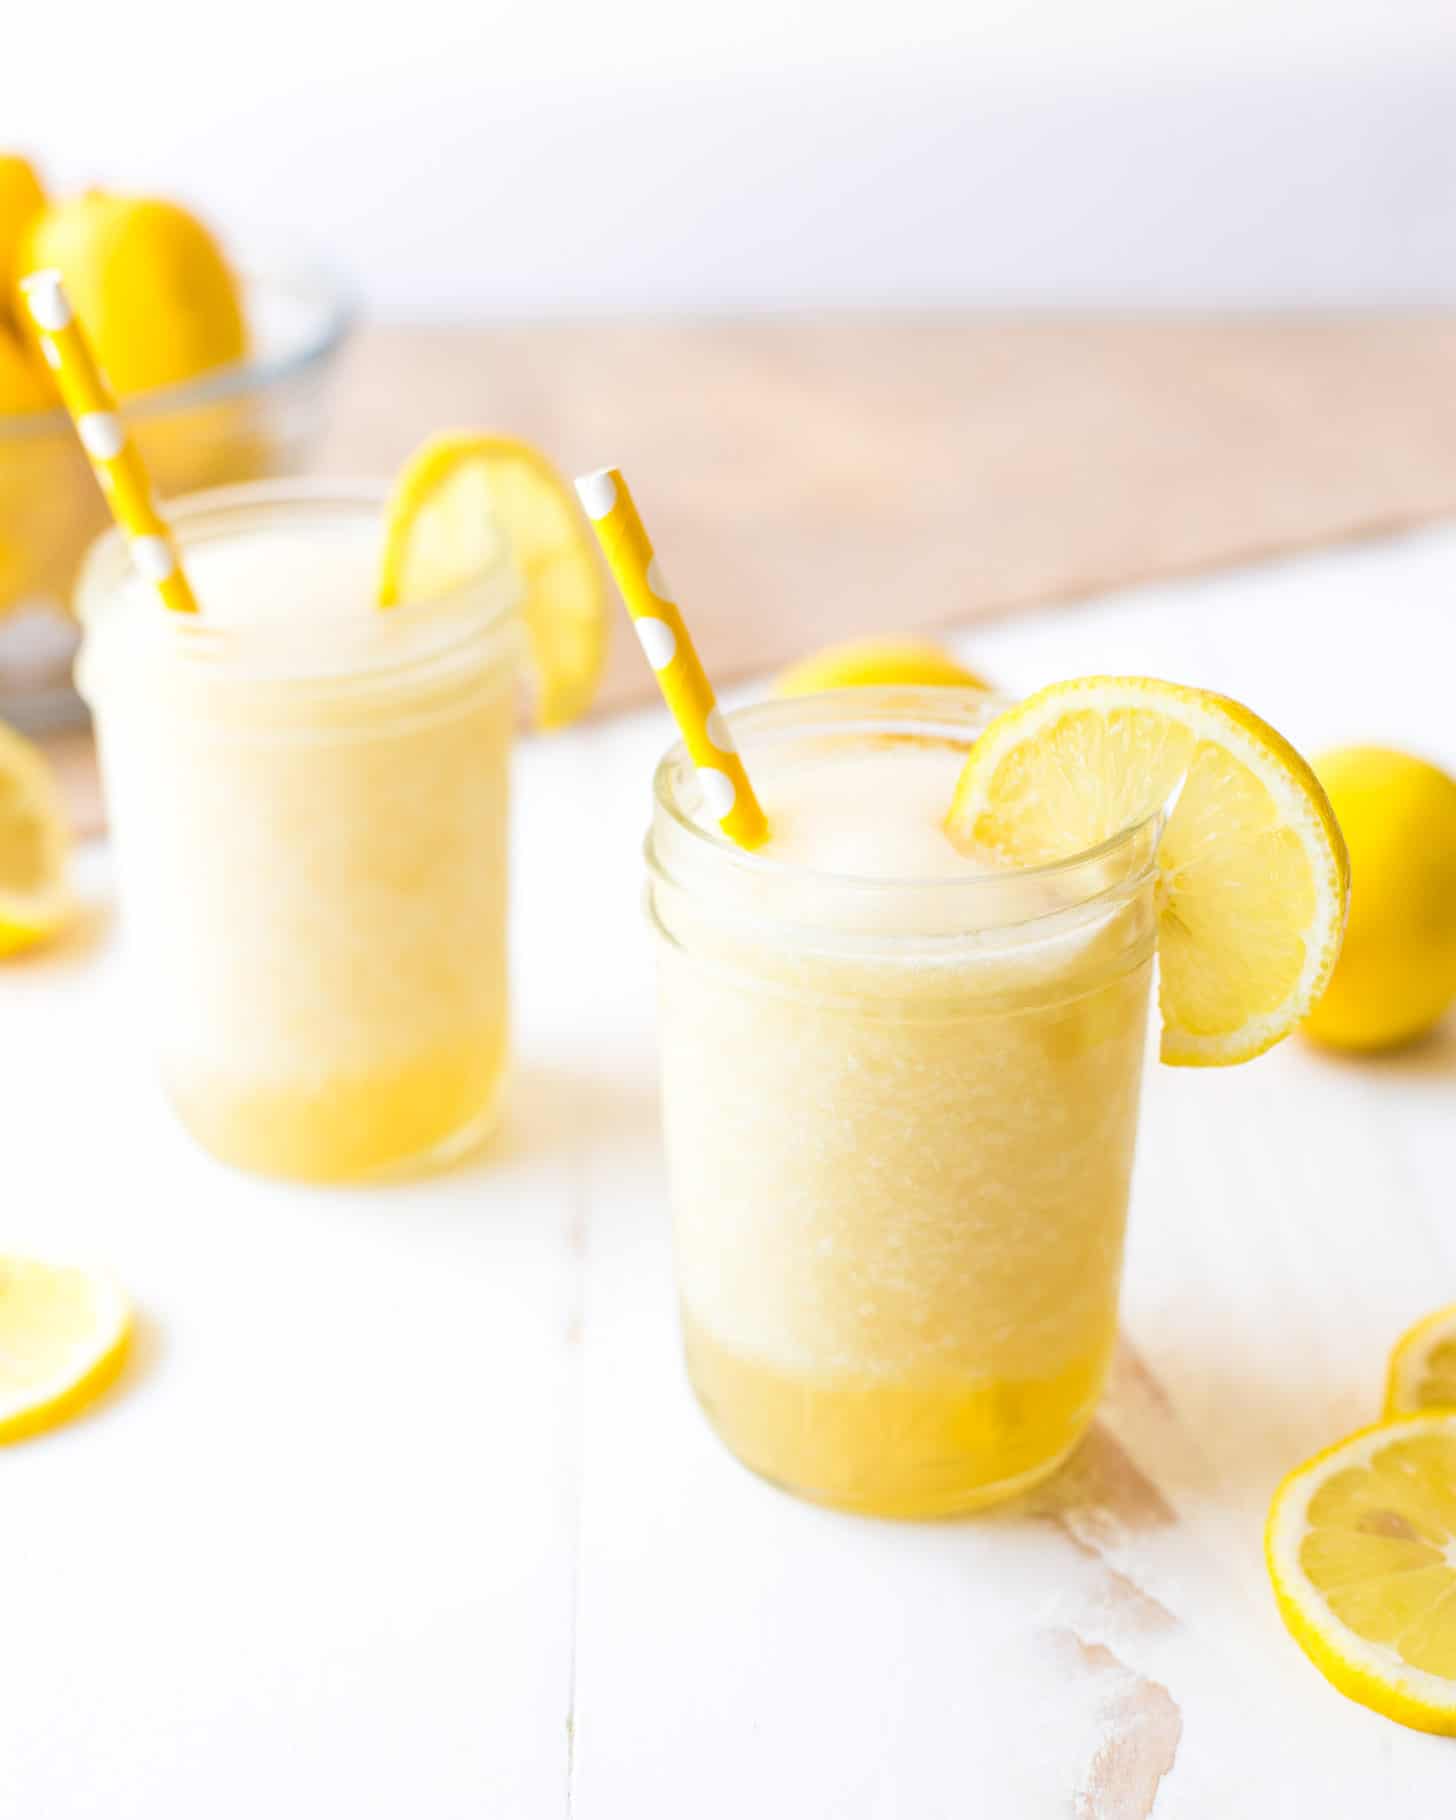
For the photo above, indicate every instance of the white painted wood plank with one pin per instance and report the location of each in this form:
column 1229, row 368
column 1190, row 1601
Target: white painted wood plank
column 315, row 1556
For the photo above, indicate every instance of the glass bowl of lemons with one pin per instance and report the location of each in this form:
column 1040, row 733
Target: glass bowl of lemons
column 221, row 365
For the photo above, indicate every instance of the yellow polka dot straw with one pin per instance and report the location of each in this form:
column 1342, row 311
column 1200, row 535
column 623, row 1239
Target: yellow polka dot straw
column 680, row 674
column 113, row 454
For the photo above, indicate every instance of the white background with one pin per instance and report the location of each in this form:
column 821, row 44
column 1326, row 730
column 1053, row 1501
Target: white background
column 469, row 158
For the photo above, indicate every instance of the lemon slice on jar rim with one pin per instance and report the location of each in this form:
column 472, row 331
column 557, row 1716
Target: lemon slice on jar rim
column 451, row 501
column 1253, row 878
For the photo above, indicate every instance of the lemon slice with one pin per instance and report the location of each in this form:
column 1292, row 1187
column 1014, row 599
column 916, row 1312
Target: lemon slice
column 1361, row 1546
column 63, row 1337
column 21, row 200
column 1253, row 879
column 33, row 845
column 451, row 503
column 1422, row 1371
column 866, row 663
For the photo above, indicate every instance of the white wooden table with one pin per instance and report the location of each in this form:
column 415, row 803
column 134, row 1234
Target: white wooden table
column 404, row 1511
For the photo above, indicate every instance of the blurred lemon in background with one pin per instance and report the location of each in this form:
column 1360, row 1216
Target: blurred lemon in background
column 34, row 842
column 219, row 444
column 162, row 306
column 1396, row 974
column 24, row 386
column 21, row 200
column 868, row 663
column 39, row 517
column 149, row 282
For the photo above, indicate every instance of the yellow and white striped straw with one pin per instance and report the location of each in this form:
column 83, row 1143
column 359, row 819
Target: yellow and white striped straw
column 680, row 674
column 114, row 457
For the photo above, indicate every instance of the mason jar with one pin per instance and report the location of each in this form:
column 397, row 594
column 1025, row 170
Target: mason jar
column 899, row 1115
column 308, row 797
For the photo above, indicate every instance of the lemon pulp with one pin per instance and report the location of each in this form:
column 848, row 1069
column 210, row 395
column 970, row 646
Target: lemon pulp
column 1361, row 1546
column 1253, row 876
column 63, row 1337
column 351, row 1123
column 903, row 1448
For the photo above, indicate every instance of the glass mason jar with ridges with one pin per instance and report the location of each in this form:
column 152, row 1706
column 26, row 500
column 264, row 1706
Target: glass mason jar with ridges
column 309, row 801
column 900, row 1093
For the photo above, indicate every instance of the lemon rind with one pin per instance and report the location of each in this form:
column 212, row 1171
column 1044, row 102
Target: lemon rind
column 1369, row 1673
column 1407, row 1362
column 86, row 1375
column 28, row 917
column 860, row 663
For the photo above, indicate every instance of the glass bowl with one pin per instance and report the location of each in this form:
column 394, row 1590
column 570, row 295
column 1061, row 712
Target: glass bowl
column 256, row 418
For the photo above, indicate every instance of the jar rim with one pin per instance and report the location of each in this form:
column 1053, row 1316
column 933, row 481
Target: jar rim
column 934, row 712
column 287, row 653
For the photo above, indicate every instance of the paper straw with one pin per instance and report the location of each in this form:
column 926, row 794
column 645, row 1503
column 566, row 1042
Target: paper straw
column 680, row 674
column 113, row 454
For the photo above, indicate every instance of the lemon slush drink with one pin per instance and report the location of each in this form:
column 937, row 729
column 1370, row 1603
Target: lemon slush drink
column 900, row 1092
column 309, row 801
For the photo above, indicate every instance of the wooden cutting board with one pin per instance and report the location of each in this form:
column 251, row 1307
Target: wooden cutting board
column 807, row 480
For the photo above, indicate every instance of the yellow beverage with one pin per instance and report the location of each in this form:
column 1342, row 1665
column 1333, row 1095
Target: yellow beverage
column 900, row 1095
column 309, row 802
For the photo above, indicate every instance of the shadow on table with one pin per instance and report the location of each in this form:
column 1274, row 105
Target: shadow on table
column 1431, row 1057
column 143, row 1356
column 1235, row 1440
column 554, row 1113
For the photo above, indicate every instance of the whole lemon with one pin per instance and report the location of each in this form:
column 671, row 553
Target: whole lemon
column 870, row 663
column 1396, row 974
column 149, row 283
column 21, row 200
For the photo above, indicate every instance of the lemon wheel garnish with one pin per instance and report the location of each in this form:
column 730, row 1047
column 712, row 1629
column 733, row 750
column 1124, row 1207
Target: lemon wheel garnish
column 451, row 503
column 63, row 1338
column 1253, row 879
column 1361, row 1546
column 33, row 845
column 1422, row 1372
column 865, row 663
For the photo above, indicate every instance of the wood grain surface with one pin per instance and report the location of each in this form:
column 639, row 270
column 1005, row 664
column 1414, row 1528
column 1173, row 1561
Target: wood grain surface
column 807, row 480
